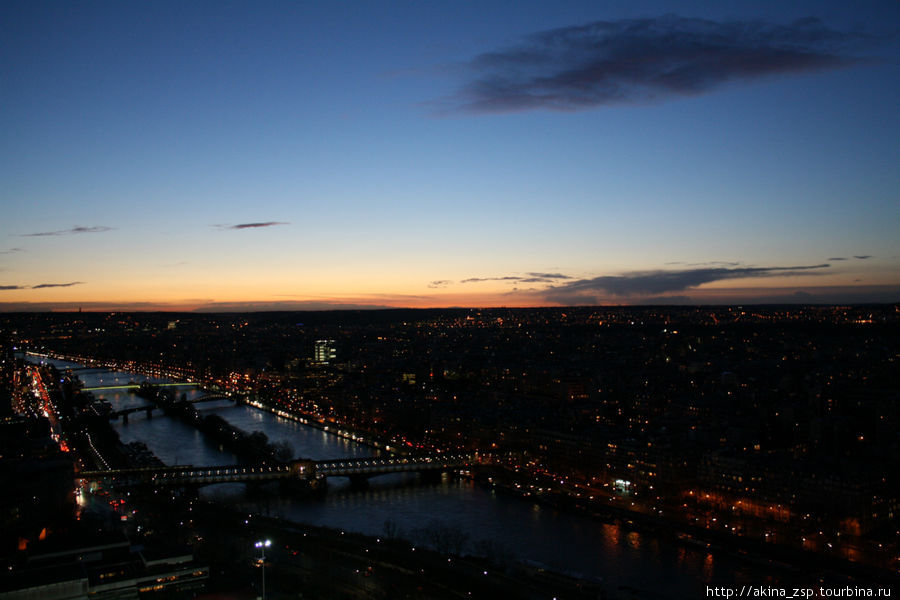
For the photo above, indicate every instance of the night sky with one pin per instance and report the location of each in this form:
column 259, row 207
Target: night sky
column 278, row 155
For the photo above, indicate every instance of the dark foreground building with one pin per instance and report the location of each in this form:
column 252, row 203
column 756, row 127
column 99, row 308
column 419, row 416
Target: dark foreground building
column 103, row 567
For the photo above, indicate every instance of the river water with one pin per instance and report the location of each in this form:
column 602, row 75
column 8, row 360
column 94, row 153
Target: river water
column 571, row 543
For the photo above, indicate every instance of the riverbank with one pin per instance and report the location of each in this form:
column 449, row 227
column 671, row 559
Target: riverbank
column 782, row 562
column 328, row 563
column 341, row 431
column 582, row 543
column 789, row 563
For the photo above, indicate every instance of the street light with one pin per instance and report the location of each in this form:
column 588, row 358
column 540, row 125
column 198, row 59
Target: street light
column 262, row 545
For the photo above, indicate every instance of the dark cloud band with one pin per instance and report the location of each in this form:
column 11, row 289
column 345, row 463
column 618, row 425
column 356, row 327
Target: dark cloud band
column 254, row 225
column 41, row 286
column 640, row 60
column 95, row 229
column 480, row 279
column 651, row 283
column 531, row 278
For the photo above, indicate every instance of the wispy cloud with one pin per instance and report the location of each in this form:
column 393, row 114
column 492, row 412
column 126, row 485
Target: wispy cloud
column 12, row 251
column 440, row 283
column 529, row 278
column 74, row 230
column 856, row 256
column 253, row 225
column 715, row 263
column 56, row 285
column 550, row 275
column 480, row 279
column 40, row 286
column 651, row 283
column 639, row 60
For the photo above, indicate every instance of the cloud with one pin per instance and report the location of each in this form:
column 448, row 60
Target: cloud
column 709, row 263
column 863, row 257
column 641, row 60
column 440, row 283
column 651, row 283
column 714, row 263
column 12, row 251
column 833, row 258
column 480, row 279
column 41, row 286
column 94, row 229
column 531, row 278
column 253, row 225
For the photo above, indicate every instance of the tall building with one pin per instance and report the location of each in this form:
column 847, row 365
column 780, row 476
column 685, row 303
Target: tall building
column 324, row 352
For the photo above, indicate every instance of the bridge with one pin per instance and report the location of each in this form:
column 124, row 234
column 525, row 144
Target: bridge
column 370, row 467
column 302, row 470
column 134, row 386
column 149, row 408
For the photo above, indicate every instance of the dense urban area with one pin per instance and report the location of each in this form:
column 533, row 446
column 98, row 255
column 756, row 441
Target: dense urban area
column 768, row 432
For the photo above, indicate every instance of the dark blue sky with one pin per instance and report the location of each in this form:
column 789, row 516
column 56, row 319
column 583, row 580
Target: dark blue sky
column 429, row 154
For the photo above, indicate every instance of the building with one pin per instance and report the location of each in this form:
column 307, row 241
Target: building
column 103, row 569
column 324, row 352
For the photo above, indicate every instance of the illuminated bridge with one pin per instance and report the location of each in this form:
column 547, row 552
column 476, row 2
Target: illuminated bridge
column 134, row 386
column 304, row 470
column 369, row 467
column 149, row 408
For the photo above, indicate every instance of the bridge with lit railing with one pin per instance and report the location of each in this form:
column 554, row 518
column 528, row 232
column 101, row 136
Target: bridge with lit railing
column 149, row 408
column 137, row 386
column 304, row 470
column 370, row 467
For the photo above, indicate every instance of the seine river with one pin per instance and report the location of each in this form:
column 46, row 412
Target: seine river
column 570, row 543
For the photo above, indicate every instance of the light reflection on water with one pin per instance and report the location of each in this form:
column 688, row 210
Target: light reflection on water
column 567, row 542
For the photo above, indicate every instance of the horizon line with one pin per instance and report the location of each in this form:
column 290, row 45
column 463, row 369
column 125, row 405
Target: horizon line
column 206, row 311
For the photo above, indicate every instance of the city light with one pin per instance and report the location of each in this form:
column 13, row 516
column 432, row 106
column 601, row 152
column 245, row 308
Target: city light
column 681, row 454
column 262, row 545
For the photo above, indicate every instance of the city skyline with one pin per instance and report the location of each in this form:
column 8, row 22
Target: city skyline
column 238, row 157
